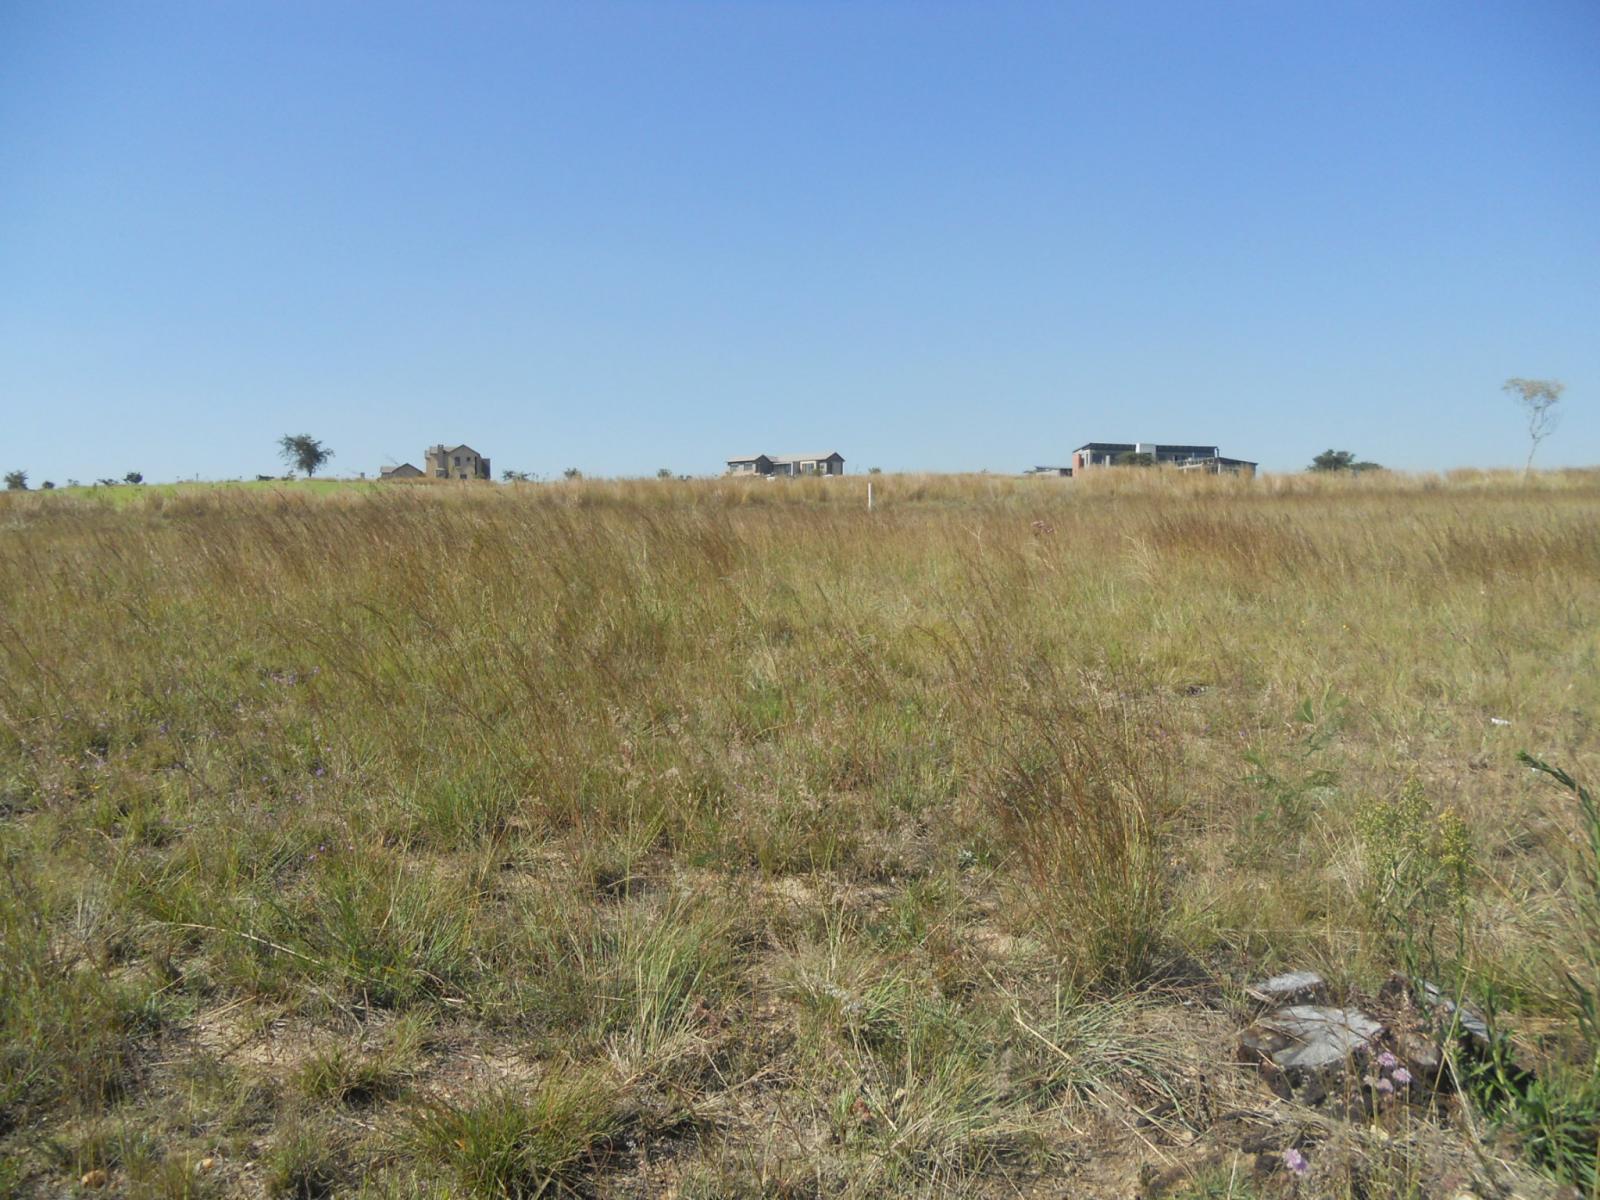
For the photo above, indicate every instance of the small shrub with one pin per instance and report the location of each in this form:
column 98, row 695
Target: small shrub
column 1419, row 863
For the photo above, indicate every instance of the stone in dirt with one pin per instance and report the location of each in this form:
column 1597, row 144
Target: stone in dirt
column 1474, row 1027
column 1306, row 1046
column 1422, row 1056
column 1292, row 987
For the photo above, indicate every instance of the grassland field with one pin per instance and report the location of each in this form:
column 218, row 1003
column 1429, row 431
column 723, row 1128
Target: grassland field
column 723, row 839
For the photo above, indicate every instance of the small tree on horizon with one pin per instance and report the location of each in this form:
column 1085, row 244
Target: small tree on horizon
column 133, row 477
column 1538, row 398
column 572, row 473
column 1341, row 460
column 302, row 452
column 16, row 481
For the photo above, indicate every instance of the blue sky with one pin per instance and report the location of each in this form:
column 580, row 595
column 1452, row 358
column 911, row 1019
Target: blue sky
column 942, row 236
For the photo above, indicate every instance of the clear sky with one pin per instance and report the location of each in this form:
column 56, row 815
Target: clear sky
column 945, row 236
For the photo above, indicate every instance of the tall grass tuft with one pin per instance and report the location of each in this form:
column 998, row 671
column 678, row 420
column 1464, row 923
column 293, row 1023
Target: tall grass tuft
column 1083, row 788
column 506, row 1145
column 67, row 1030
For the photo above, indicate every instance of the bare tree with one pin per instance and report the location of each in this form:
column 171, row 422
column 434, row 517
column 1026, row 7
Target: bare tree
column 1538, row 398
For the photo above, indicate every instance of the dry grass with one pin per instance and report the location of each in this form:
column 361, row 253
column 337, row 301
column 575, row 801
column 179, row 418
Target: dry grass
column 722, row 838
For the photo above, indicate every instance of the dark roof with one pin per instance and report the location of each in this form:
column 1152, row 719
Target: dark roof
column 1220, row 460
column 1160, row 448
column 790, row 458
column 748, row 458
column 397, row 467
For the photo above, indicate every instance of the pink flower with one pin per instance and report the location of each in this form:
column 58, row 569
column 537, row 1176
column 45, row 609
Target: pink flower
column 1401, row 1076
column 1388, row 1061
column 1295, row 1161
column 1383, row 1085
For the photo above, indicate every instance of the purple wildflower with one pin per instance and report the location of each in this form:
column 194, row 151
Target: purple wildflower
column 1295, row 1161
column 1388, row 1061
column 1401, row 1076
column 1383, row 1085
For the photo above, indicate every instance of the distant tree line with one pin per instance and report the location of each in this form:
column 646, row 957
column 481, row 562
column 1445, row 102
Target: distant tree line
column 17, row 481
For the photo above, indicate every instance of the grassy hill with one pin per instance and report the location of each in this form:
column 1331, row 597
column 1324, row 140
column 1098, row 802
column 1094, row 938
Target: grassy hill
column 722, row 838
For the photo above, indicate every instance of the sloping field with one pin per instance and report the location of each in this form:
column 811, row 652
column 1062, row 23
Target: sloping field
column 726, row 839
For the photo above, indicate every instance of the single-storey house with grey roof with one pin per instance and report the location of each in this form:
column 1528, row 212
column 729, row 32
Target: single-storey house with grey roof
column 829, row 462
column 1190, row 458
column 402, row 471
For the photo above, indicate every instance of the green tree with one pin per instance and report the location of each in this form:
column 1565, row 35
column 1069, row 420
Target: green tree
column 1136, row 458
column 1341, row 460
column 1538, row 398
column 133, row 477
column 302, row 452
column 664, row 473
column 572, row 473
column 16, row 481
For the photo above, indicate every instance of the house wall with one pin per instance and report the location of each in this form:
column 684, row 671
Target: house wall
column 463, row 464
column 803, row 466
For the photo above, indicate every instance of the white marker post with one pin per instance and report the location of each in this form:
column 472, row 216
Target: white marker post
column 869, row 495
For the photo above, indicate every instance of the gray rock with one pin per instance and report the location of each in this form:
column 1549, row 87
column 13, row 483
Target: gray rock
column 1309, row 1045
column 1292, row 987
